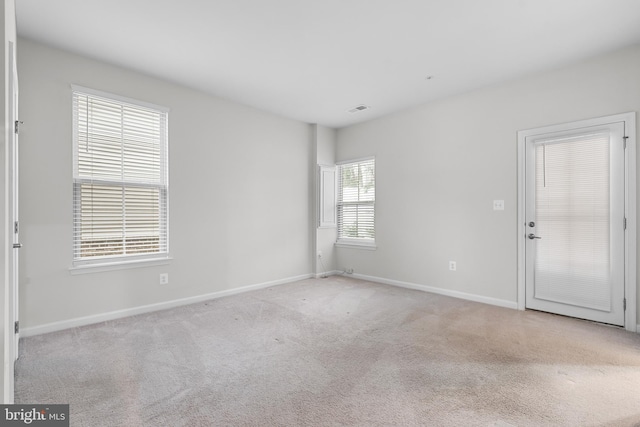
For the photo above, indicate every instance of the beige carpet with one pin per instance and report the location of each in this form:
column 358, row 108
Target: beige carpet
column 337, row 351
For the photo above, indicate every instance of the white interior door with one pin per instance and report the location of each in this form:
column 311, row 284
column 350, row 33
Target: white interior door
column 574, row 229
column 11, row 331
column 15, row 199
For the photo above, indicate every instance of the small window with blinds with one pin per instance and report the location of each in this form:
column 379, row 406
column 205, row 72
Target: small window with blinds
column 356, row 202
column 120, row 179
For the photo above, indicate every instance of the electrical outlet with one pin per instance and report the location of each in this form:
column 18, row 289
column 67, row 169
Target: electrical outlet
column 498, row 205
column 349, row 271
column 164, row 278
column 452, row 265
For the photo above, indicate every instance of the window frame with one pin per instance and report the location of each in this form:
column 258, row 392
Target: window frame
column 355, row 242
column 102, row 263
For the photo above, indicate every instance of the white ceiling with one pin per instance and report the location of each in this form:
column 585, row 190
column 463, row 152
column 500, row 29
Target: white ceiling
column 312, row 60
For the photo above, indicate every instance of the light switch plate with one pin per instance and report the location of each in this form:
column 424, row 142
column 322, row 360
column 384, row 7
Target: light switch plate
column 498, row 205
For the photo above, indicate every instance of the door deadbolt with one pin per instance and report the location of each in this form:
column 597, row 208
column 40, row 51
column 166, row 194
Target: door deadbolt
column 532, row 224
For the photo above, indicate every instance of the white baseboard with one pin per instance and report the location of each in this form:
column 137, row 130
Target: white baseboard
column 638, row 329
column 440, row 291
column 118, row 314
column 327, row 274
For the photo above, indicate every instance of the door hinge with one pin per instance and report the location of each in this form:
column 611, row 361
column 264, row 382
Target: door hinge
column 17, row 327
column 15, row 227
column 16, row 126
column 624, row 139
column 625, row 223
column 624, row 304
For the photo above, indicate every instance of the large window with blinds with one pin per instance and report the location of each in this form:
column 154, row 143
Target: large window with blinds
column 356, row 202
column 120, row 179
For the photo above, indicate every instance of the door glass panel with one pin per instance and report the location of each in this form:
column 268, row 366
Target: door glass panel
column 572, row 210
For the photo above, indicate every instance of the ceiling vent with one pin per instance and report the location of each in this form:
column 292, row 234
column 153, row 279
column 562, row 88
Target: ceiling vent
column 359, row 108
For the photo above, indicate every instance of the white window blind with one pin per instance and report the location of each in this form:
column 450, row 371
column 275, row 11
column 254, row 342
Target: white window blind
column 572, row 263
column 120, row 182
column 356, row 201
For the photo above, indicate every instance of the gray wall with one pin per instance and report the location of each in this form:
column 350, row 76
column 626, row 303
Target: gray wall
column 239, row 193
column 243, row 207
column 440, row 166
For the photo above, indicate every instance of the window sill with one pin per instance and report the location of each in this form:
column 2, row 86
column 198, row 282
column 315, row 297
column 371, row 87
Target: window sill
column 328, row 226
column 368, row 246
column 118, row 265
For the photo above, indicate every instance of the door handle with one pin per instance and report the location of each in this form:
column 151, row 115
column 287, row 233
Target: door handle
column 17, row 245
column 533, row 236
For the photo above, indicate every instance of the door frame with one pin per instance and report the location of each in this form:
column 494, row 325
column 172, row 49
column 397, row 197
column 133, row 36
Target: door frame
column 630, row 286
